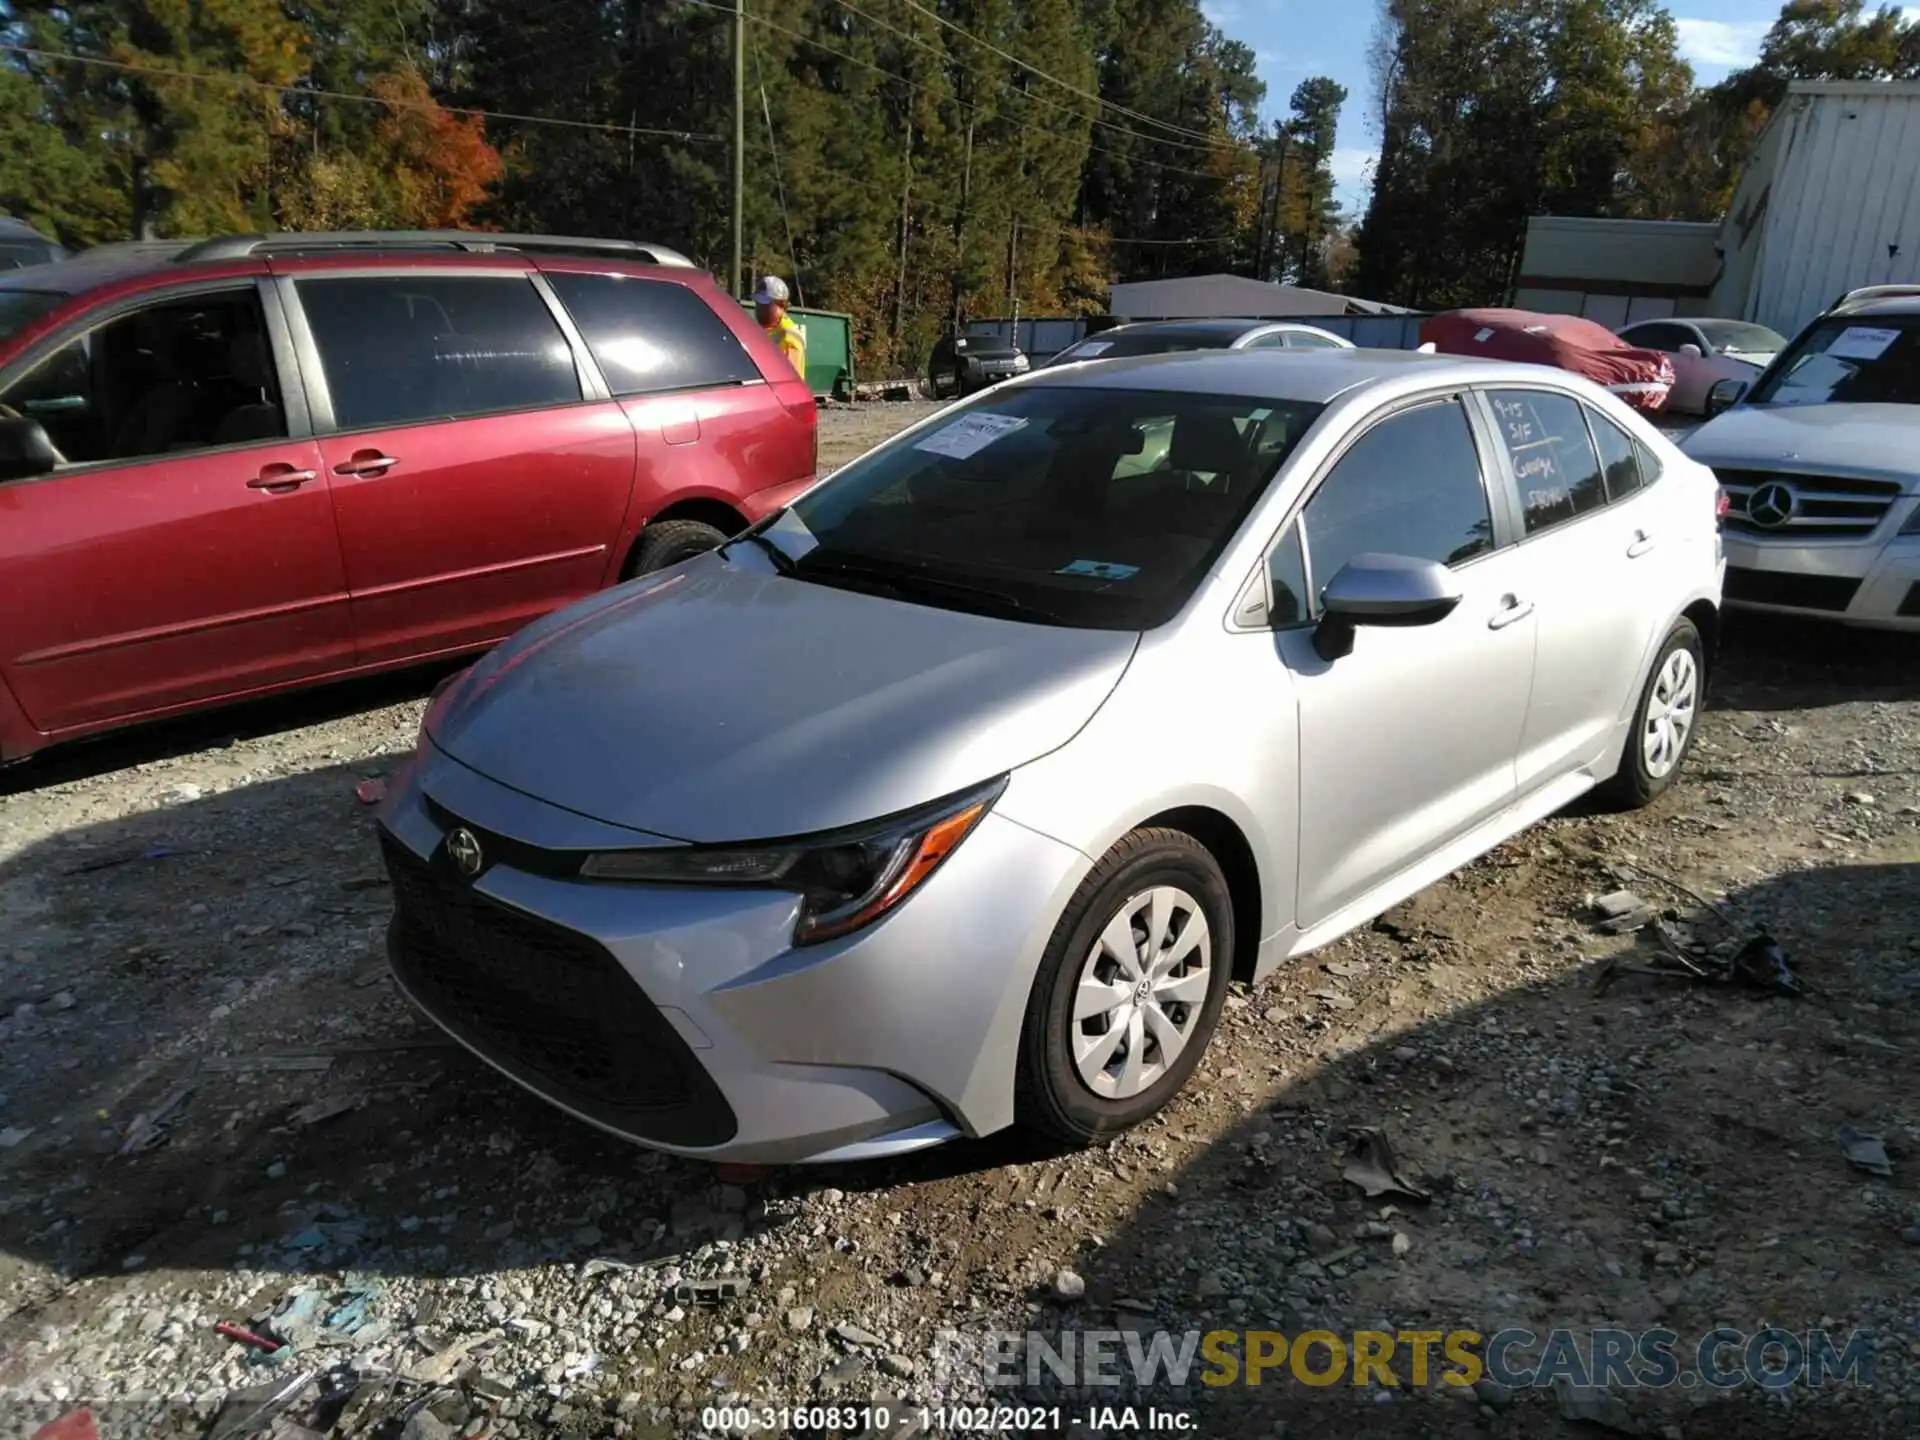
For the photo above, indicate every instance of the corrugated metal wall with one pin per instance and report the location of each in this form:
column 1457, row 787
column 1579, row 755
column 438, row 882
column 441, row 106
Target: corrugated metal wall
column 1845, row 204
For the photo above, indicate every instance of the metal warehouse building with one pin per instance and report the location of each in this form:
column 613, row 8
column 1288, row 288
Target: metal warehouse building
column 1828, row 201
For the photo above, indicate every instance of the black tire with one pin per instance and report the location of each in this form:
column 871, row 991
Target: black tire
column 1050, row 1095
column 669, row 542
column 1634, row 784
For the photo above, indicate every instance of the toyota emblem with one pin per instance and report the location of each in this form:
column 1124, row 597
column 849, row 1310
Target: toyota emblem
column 1772, row 505
column 463, row 848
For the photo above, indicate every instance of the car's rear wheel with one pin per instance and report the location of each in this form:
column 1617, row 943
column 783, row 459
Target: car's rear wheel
column 1129, row 991
column 668, row 542
column 1663, row 722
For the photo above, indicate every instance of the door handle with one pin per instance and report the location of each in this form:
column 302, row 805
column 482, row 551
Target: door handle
column 279, row 479
column 1642, row 543
column 1512, row 608
column 366, row 463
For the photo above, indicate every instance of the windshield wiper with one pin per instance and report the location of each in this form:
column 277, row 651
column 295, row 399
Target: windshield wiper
column 905, row 582
column 782, row 562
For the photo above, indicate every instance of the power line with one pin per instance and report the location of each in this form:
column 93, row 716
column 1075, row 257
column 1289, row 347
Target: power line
column 242, row 82
column 1213, row 147
column 1055, row 80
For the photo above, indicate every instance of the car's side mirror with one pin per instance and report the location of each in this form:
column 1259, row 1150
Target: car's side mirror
column 1724, row 395
column 25, row 449
column 1690, row 349
column 1392, row 590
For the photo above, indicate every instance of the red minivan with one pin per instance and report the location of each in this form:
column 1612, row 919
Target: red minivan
column 242, row 465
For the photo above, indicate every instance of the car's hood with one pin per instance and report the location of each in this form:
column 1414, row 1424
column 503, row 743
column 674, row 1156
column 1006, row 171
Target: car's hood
column 1865, row 440
column 718, row 702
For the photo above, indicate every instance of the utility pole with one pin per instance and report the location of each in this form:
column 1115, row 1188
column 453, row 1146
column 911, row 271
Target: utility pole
column 739, row 134
column 900, row 291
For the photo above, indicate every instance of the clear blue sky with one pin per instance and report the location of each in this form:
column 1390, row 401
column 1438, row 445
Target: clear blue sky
column 1297, row 38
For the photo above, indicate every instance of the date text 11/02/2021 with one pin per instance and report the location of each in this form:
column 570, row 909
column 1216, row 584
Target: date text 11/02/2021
column 947, row 1419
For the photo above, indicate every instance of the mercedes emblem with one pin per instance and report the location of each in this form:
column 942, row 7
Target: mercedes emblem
column 1771, row 506
column 463, row 848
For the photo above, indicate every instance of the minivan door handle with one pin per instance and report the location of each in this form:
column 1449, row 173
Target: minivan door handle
column 1512, row 608
column 366, row 463
column 281, row 479
column 1642, row 543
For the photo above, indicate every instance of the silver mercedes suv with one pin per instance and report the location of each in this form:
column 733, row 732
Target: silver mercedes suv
column 1820, row 460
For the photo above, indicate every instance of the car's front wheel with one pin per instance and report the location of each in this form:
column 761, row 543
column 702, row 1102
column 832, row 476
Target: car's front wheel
column 1663, row 722
column 1129, row 991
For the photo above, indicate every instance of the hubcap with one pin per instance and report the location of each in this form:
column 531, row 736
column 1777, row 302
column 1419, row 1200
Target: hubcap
column 1670, row 713
column 1140, row 992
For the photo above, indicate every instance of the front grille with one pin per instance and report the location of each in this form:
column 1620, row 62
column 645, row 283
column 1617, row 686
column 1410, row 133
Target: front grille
column 1802, row 592
column 547, row 1005
column 1820, row 506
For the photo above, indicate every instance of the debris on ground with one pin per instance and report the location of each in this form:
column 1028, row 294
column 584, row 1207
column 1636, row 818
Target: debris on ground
column 1594, row 1405
column 326, row 1108
column 1371, row 1165
column 1622, row 912
column 125, row 857
column 370, row 792
column 247, row 1337
column 150, row 1127
column 1865, row 1151
column 74, row 1425
column 1761, row 964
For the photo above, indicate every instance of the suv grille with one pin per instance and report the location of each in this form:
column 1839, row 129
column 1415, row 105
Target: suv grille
column 549, row 1006
column 1818, row 506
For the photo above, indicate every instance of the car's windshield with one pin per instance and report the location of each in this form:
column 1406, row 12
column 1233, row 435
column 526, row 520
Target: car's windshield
column 20, row 308
column 1864, row 360
column 1094, row 508
column 1120, row 346
column 1742, row 338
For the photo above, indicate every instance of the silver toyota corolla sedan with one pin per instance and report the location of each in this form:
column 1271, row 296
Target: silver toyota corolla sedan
column 957, row 793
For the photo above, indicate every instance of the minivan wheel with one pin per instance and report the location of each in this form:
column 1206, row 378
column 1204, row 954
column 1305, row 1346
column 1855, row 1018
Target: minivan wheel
column 1664, row 722
column 671, row 541
column 1129, row 991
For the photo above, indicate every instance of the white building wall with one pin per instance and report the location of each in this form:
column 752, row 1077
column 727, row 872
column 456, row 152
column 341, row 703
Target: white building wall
column 1844, row 204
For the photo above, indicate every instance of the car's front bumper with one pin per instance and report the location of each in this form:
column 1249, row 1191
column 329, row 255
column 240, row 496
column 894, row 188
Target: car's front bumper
column 684, row 1019
column 1875, row 584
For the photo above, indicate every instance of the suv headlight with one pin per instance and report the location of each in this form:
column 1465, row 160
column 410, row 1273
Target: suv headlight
column 846, row 879
column 1912, row 524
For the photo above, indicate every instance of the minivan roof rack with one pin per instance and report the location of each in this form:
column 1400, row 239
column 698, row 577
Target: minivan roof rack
column 1867, row 294
column 240, row 247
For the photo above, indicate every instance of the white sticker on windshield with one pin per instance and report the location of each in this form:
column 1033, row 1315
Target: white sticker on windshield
column 1484, row 334
column 969, row 435
column 1099, row 570
column 1092, row 348
column 1862, row 342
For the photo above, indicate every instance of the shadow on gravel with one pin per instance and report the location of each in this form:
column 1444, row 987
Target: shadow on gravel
column 1772, row 662
column 1650, row 1154
column 213, row 729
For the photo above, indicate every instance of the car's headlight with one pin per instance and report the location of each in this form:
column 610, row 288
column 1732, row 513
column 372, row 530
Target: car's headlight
column 846, row 879
column 1912, row 525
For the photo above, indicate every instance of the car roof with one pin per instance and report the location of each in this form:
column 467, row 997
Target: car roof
column 1223, row 328
column 125, row 260
column 1310, row 376
column 1901, row 305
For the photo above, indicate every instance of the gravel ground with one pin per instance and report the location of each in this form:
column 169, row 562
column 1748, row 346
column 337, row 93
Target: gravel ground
column 214, row 1108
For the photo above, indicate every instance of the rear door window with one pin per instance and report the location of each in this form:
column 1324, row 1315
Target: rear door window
column 403, row 349
column 1619, row 456
column 1554, row 463
column 650, row 335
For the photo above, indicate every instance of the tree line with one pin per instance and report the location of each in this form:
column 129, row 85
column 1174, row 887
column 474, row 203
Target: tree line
column 914, row 162
column 1491, row 111
column 910, row 162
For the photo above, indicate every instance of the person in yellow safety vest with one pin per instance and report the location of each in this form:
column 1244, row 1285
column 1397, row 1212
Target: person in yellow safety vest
column 770, row 308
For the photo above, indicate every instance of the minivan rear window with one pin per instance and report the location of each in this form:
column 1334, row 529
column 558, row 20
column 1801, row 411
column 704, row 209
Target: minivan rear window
column 650, row 335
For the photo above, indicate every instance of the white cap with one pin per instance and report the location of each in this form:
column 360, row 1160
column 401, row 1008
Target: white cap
column 772, row 291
